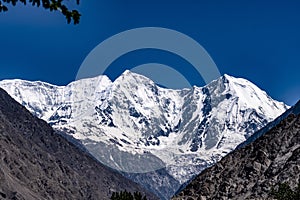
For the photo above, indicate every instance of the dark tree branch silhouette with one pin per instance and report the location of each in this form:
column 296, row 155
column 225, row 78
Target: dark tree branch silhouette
column 52, row 5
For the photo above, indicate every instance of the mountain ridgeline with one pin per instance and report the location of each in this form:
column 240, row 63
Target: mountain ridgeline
column 158, row 137
column 37, row 163
column 257, row 168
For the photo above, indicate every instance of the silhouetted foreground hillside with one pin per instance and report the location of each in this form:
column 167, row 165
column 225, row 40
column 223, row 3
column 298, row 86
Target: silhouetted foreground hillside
column 36, row 163
column 252, row 171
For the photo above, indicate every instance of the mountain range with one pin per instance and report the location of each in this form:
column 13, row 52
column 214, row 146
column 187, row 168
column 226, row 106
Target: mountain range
column 160, row 138
column 256, row 169
column 37, row 163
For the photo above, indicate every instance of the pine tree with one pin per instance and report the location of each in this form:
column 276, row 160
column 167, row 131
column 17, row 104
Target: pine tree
column 284, row 192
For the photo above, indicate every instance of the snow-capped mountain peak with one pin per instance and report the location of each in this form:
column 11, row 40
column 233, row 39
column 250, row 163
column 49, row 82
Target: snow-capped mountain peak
column 131, row 120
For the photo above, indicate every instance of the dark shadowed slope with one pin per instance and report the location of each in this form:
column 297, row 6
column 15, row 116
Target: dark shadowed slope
column 36, row 163
column 252, row 171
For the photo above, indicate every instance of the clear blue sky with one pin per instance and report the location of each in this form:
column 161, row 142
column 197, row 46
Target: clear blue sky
column 257, row 40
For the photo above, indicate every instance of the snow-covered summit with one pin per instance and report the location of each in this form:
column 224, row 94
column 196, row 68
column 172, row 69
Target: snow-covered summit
column 132, row 118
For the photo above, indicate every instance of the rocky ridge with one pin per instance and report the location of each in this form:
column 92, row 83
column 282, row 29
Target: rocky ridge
column 251, row 172
column 37, row 163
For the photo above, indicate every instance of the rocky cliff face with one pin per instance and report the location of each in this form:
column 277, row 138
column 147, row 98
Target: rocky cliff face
column 36, row 163
column 252, row 171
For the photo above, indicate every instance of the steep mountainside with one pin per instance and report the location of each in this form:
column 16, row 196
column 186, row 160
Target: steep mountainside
column 37, row 163
column 134, row 126
column 251, row 171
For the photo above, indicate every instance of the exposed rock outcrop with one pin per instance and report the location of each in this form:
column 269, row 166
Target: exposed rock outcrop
column 36, row 163
column 252, row 171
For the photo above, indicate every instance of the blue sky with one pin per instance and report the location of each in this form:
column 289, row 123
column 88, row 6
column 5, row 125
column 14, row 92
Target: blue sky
column 256, row 40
